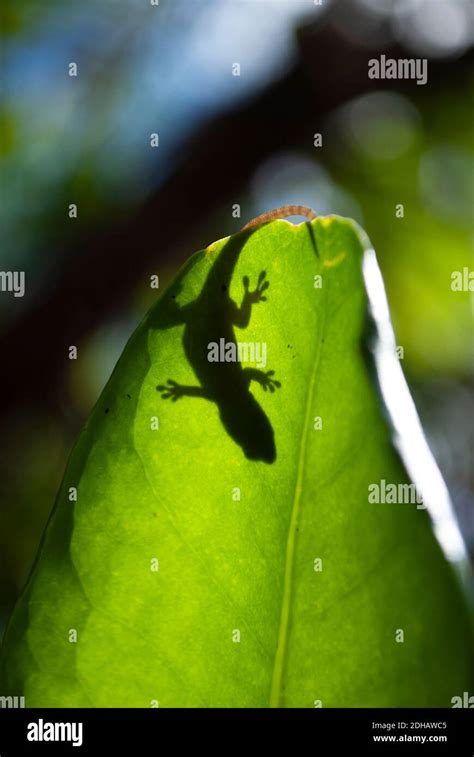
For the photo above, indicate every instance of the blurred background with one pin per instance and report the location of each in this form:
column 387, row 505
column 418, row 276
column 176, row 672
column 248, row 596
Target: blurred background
column 224, row 140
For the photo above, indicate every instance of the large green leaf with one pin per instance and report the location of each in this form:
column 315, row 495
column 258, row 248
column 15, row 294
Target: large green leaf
column 279, row 583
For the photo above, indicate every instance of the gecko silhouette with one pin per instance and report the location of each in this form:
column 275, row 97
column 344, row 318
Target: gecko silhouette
column 209, row 318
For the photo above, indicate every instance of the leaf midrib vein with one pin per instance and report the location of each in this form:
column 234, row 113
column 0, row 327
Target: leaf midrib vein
column 279, row 662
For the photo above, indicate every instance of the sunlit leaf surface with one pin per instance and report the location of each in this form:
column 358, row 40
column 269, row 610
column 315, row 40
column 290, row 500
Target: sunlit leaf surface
column 222, row 550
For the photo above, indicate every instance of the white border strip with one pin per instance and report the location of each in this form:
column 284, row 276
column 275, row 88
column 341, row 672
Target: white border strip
column 409, row 438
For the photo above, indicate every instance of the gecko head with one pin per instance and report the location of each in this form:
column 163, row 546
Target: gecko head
column 248, row 425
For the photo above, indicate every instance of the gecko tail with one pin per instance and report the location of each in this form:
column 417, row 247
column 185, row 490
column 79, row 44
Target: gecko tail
column 284, row 212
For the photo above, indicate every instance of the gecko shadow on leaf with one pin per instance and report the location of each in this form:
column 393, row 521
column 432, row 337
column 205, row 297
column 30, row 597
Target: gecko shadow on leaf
column 210, row 319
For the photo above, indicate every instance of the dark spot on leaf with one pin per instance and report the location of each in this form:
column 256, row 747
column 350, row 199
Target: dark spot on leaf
column 106, row 410
column 129, row 396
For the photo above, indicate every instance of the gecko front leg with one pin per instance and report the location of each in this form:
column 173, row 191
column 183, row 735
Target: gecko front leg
column 174, row 391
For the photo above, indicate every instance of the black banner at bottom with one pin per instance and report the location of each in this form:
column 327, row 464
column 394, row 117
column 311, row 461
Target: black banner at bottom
column 89, row 731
